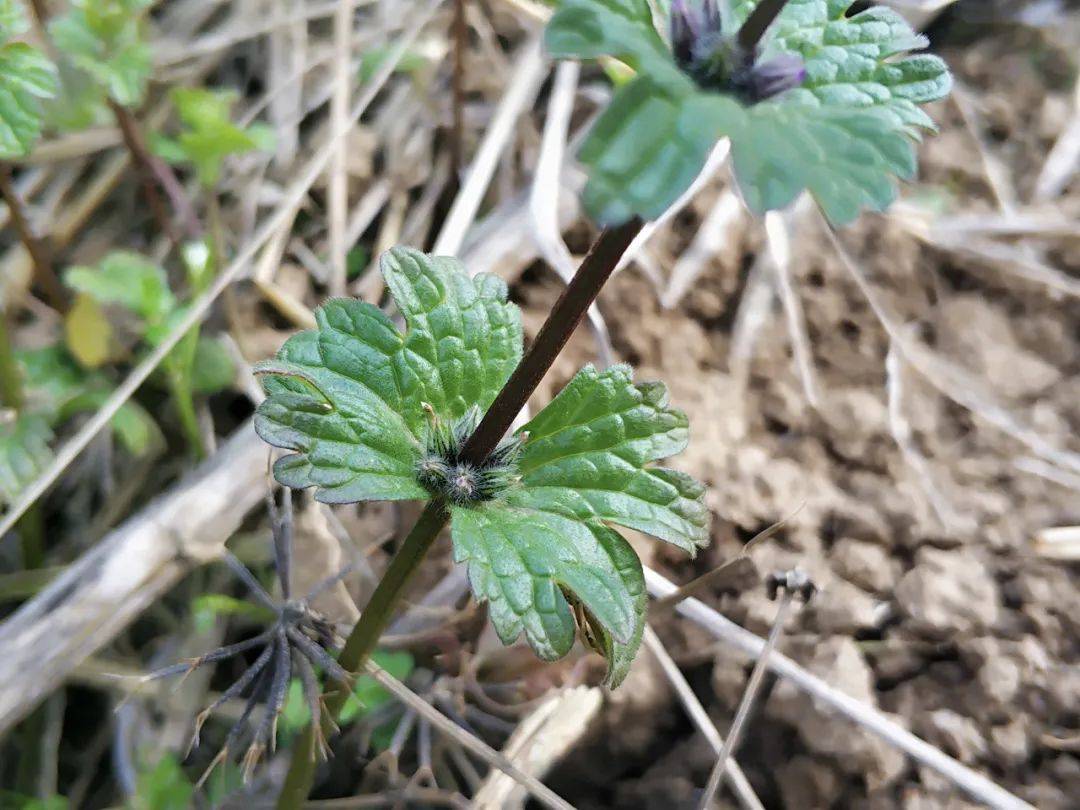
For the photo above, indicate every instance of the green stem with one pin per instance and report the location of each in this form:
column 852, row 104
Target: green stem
column 560, row 324
column 361, row 643
column 11, row 386
column 180, row 388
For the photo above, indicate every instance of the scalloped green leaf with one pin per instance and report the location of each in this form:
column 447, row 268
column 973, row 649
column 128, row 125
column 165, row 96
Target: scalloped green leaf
column 349, row 396
column 353, row 400
column 463, row 340
column 647, row 148
column 129, row 280
column 847, row 159
column 587, row 29
column 24, row 451
column 105, row 40
column 521, row 561
column 858, row 61
column 588, row 454
column 27, row 78
column 846, row 135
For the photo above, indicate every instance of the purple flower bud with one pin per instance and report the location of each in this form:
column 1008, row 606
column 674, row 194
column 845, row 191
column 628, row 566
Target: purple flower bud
column 691, row 21
column 717, row 62
column 764, row 80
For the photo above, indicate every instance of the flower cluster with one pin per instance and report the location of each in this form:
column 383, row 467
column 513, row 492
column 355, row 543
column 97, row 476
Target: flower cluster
column 719, row 63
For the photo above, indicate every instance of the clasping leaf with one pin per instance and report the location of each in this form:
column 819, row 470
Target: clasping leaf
column 843, row 126
column 369, row 413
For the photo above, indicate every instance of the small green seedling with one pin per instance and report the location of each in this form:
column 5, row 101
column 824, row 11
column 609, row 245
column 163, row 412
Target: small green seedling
column 823, row 101
column 56, row 389
column 373, row 414
column 209, row 135
column 198, row 365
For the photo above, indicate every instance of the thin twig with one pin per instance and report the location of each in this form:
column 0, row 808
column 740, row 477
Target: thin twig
column 740, row 785
column 447, row 727
column 457, row 135
column 338, row 190
column 544, row 195
column 722, row 628
column 716, row 777
column 519, row 96
column 778, row 239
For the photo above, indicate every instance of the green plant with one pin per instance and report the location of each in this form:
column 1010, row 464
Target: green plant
column 137, row 285
column 105, row 40
column 372, row 414
column 27, row 78
column 209, row 135
column 820, row 100
column 107, row 60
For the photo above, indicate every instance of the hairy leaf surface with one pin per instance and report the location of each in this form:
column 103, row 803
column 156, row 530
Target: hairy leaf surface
column 521, row 560
column 588, row 457
column 846, row 135
column 859, row 61
column 369, row 412
column 349, row 397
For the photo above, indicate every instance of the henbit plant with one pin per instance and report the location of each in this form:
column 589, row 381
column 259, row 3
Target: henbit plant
column 197, row 365
column 371, row 414
column 841, row 125
column 105, row 42
column 819, row 100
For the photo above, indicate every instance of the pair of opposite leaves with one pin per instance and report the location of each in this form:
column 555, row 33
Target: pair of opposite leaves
column 354, row 400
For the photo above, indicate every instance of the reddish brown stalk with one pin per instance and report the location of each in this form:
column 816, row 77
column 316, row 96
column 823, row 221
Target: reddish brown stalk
column 43, row 270
column 140, row 156
column 156, row 174
column 758, row 23
column 564, row 318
